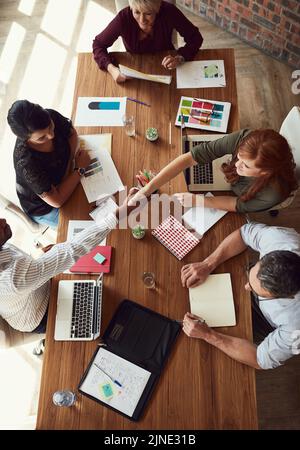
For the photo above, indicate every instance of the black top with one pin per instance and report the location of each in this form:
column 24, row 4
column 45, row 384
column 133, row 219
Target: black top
column 36, row 171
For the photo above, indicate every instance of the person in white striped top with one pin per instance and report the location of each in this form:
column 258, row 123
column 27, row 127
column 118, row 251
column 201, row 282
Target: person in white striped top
column 25, row 282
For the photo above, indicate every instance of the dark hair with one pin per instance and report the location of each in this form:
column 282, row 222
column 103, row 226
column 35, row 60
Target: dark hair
column 279, row 273
column 272, row 154
column 24, row 118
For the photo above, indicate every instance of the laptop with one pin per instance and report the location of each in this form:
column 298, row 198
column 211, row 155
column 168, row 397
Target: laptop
column 204, row 177
column 78, row 315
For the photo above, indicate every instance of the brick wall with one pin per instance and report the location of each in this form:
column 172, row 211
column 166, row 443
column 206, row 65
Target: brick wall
column 271, row 25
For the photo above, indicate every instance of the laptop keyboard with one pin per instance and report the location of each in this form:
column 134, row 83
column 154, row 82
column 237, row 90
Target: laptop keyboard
column 82, row 313
column 202, row 174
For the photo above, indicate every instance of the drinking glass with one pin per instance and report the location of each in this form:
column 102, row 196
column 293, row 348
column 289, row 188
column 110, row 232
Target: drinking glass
column 129, row 124
column 149, row 280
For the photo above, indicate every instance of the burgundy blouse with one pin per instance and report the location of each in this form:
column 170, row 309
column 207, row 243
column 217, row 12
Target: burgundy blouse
column 168, row 18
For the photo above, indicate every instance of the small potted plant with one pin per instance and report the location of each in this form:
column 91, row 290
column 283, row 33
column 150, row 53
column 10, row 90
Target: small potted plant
column 138, row 232
column 152, row 134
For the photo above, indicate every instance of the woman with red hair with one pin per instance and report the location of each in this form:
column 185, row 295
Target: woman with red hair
column 261, row 171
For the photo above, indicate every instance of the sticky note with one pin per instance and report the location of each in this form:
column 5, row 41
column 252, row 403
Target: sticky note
column 106, row 390
column 99, row 258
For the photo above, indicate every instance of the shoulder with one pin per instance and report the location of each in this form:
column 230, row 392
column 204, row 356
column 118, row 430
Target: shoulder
column 124, row 16
column 271, row 238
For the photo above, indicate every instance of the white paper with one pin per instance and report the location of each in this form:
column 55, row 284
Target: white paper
column 213, row 301
column 101, row 178
column 201, row 74
column 106, row 207
column 202, row 219
column 85, row 116
column 132, row 378
column 166, row 79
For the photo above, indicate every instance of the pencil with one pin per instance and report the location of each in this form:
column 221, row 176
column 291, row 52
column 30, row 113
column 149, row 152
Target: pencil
column 138, row 101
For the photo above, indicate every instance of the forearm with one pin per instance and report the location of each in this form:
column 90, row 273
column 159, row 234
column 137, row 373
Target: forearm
column 73, row 142
column 60, row 194
column 231, row 246
column 168, row 173
column 238, row 349
column 227, row 203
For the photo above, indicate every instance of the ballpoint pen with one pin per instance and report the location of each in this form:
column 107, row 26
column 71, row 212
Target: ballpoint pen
column 109, row 376
column 137, row 101
column 194, row 320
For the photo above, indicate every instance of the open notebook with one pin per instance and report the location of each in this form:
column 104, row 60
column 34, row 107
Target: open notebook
column 213, row 301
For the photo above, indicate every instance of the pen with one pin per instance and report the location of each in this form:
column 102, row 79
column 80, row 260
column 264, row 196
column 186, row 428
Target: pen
column 112, row 379
column 137, row 101
column 194, row 320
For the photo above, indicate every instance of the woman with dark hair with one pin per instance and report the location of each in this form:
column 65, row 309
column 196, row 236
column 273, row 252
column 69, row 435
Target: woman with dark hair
column 146, row 26
column 45, row 147
column 261, row 171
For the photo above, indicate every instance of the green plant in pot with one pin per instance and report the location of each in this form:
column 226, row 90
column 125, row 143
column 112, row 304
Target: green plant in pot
column 138, row 232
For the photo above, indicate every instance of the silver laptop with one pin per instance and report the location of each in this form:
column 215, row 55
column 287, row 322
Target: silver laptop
column 209, row 176
column 78, row 315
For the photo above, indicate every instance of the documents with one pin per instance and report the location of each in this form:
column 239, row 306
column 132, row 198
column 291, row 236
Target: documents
column 100, row 111
column 201, row 74
column 101, row 178
column 202, row 219
column 144, row 76
column 115, row 381
column 213, row 301
column 106, row 207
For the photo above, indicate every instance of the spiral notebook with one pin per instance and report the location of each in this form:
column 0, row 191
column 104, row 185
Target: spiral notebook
column 175, row 237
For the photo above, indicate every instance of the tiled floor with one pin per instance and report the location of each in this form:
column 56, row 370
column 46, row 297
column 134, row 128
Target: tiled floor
column 39, row 40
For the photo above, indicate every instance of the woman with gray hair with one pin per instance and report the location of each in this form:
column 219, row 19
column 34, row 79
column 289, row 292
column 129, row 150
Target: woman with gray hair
column 146, row 26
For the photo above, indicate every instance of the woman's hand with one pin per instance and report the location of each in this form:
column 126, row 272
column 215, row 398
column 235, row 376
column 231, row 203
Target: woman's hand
column 171, row 62
column 82, row 159
column 116, row 74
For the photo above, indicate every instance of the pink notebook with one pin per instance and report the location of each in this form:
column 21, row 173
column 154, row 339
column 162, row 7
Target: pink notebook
column 175, row 237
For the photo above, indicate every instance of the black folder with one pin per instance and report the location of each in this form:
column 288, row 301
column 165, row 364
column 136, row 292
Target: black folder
column 142, row 337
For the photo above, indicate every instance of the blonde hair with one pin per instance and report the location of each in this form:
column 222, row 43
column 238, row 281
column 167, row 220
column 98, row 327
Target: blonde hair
column 146, row 5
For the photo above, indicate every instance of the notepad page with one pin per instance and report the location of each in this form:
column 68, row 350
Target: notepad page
column 132, row 378
column 213, row 301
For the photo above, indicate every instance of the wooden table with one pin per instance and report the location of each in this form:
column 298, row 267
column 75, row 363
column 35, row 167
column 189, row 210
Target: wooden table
column 221, row 392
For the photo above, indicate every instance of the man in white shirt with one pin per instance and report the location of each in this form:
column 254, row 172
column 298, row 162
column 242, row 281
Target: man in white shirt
column 275, row 285
column 25, row 282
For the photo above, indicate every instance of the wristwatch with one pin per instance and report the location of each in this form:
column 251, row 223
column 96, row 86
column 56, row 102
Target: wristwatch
column 80, row 170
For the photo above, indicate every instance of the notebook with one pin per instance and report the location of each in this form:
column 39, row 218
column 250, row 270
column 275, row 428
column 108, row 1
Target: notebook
column 202, row 219
column 78, row 314
column 124, row 370
column 175, row 237
column 213, row 301
column 96, row 261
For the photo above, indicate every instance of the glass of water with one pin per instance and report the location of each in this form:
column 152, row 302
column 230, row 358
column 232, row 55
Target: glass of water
column 129, row 124
column 149, row 280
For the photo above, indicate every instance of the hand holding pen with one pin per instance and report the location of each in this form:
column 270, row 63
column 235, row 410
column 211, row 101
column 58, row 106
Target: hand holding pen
column 195, row 326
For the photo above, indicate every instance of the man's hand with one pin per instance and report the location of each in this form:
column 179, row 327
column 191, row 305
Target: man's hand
column 116, row 74
column 171, row 62
column 47, row 248
column 194, row 274
column 125, row 209
column 195, row 326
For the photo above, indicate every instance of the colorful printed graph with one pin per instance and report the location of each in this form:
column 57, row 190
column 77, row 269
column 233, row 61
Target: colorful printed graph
column 203, row 114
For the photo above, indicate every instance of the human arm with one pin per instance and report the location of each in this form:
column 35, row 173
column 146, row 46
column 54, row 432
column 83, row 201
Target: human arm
column 238, row 349
column 104, row 40
column 116, row 74
column 226, row 203
column 190, row 33
column 59, row 194
column 196, row 273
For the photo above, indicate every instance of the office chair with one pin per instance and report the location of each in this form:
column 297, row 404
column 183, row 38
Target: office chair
column 290, row 129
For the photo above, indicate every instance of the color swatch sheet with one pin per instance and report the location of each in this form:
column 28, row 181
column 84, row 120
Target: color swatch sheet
column 175, row 237
column 100, row 111
column 209, row 115
column 201, row 74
